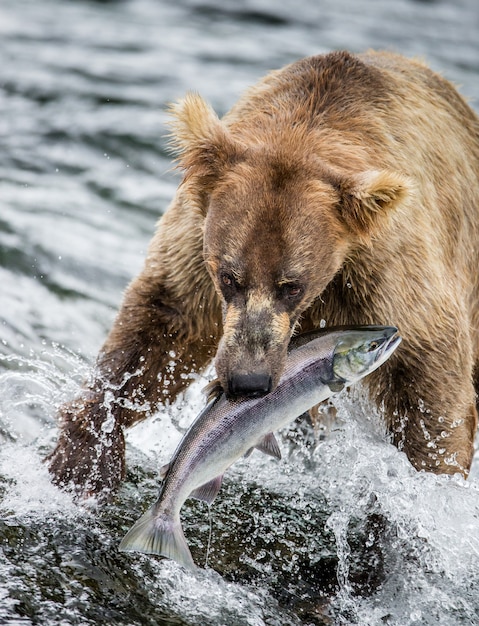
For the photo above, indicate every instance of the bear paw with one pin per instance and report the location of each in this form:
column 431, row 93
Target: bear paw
column 89, row 458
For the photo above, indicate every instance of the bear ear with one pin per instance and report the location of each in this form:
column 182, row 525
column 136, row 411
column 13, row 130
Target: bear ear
column 366, row 199
column 201, row 140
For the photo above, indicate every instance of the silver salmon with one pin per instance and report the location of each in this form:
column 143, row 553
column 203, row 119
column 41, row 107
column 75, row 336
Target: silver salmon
column 323, row 363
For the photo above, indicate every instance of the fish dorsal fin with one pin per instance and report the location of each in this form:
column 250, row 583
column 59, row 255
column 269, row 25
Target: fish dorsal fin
column 269, row 445
column 208, row 491
column 164, row 471
column 213, row 389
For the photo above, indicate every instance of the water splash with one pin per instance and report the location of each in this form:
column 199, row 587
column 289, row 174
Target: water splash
column 31, row 389
column 345, row 528
column 428, row 542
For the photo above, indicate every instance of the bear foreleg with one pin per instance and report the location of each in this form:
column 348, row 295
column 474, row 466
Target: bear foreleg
column 166, row 328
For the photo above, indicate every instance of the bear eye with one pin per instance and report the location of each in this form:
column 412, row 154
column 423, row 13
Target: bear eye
column 228, row 283
column 227, row 279
column 292, row 291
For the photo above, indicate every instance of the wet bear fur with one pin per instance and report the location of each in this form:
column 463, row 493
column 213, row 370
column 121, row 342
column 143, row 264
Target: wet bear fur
column 340, row 188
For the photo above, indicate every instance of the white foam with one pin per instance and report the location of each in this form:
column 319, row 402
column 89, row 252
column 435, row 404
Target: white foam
column 29, row 488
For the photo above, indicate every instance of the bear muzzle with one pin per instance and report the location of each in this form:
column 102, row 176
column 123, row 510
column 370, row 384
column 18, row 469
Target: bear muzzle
column 252, row 351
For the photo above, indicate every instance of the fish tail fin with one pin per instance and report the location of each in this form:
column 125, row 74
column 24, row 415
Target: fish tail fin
column 155, row 535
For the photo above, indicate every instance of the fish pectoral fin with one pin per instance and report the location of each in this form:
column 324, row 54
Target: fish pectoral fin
column 269, row 445
column 336, row 385
column 208, row 491
column 164, row 470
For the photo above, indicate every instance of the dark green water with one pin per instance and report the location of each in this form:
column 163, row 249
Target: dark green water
column 344, row 533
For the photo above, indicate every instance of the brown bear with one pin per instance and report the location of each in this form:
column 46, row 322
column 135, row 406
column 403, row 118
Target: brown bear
column 340, row 188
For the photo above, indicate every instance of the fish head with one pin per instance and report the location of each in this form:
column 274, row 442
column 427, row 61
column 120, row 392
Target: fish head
column 358, row 352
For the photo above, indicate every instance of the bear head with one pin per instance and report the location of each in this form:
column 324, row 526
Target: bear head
column 279, row 221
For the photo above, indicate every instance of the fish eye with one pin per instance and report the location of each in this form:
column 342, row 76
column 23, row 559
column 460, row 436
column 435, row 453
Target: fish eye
column 374, row 345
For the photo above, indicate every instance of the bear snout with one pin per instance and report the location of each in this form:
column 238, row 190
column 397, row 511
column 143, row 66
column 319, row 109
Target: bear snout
column 250, row 384
column 252, row 351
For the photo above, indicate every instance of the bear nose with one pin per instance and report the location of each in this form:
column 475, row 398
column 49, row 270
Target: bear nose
column 255, row 384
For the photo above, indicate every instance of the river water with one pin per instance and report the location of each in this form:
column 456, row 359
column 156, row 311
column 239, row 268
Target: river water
column 343, row 532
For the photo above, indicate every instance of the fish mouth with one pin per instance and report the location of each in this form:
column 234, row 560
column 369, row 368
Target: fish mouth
column 391, row 342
